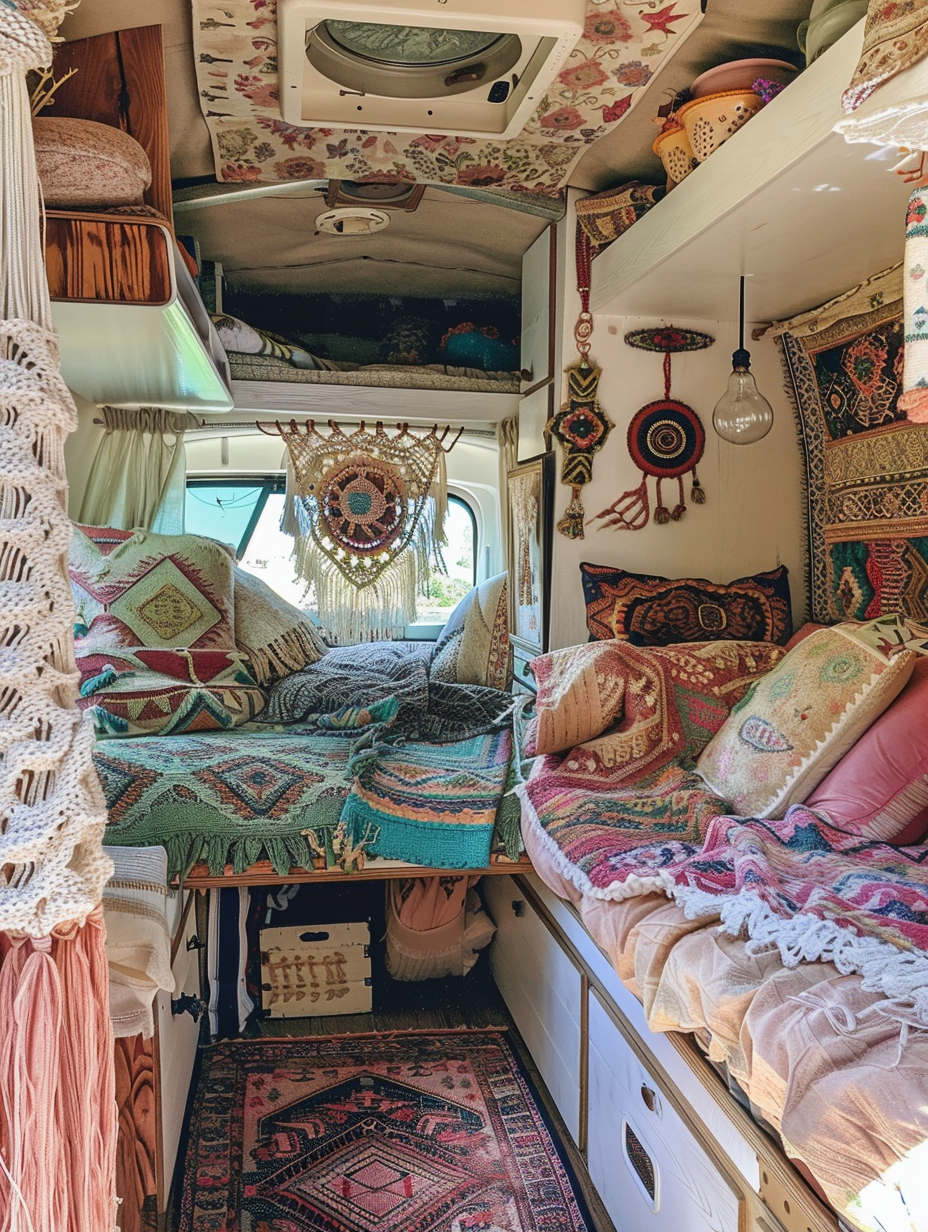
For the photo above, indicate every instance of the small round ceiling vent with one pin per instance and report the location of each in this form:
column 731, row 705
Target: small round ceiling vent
column 352, row 220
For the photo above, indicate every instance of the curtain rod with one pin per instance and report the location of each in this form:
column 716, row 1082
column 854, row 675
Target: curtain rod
column 255, row 425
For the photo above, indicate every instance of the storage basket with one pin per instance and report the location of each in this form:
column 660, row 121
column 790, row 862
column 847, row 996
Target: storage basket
column 711, row 120
column 605, row 215
column 673, row 148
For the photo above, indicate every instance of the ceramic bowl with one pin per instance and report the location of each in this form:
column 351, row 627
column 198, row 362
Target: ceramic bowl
column 711, row 120
column 675, row 152
column 741, row 75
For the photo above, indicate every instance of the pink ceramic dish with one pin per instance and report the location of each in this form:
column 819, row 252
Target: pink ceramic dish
column 740, row 75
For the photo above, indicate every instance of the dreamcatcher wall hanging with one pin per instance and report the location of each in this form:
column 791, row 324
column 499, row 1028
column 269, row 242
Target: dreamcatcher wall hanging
column 581, row 425
column 369, row 521
column 665, row 439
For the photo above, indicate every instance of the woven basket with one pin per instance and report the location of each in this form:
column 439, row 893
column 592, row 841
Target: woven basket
column 710, row 121
column 673, row 148
column 605, row 215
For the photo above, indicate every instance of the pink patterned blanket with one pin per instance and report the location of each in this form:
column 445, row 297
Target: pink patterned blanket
column 815, row 892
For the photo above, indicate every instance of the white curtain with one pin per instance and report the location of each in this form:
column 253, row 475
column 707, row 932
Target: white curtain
column 138, row 477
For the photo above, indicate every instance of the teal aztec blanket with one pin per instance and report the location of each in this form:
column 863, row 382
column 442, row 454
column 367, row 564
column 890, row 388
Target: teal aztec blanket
column 435, row 804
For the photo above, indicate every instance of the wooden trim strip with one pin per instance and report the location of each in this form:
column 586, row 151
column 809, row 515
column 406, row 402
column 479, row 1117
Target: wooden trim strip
column 262, row 873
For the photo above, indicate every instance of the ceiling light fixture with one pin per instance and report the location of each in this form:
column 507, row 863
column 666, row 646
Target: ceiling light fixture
column 742, row 415
column 352, row 220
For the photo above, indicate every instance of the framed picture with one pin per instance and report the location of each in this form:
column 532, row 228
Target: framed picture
column 530, row 491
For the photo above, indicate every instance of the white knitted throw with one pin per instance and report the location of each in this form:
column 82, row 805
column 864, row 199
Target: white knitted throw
column 52, row 811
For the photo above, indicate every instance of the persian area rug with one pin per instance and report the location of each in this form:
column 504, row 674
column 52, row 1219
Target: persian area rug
column 866, row 464
column 411, row 1132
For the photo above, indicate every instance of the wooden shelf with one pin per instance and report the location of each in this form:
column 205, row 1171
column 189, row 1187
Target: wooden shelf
column 375, row 869
column 785, row 200
column 132, row 328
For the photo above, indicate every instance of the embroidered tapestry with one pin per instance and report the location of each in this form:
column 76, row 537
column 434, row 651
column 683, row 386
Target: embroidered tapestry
column 866, row 465
column 236, row 61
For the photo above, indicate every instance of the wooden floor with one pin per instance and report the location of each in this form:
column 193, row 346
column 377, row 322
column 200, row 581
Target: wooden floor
column 472, row 1002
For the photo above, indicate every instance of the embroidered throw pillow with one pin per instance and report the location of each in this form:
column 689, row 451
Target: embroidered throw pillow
column 141, row 692
column 160, row 591
column 473, row 647
column 632, row 708
column 276, row 637
column 649, row 610
column 879, row 789
column 244, row 339
column 799, row 720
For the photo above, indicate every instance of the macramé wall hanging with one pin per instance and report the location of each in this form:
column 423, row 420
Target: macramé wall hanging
column 665, row 438
column 370, row 512
column 581, row 425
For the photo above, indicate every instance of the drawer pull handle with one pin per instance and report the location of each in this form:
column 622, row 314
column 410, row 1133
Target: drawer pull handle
column 187, row 1003
column 651, row 1099
column 518, row 908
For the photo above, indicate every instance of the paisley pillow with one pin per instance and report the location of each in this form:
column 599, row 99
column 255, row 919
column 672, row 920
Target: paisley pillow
column 799, row 720
column 649, row 610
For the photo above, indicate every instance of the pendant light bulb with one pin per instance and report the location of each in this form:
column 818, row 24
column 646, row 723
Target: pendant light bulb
column 742, row 415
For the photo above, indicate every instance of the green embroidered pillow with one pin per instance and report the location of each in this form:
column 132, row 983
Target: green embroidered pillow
column 800, row 719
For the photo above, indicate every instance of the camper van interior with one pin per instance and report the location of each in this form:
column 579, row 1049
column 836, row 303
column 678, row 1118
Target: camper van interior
column 493, row 439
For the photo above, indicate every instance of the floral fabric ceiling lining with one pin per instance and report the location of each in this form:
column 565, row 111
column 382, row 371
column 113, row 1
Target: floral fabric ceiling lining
column 235, row 46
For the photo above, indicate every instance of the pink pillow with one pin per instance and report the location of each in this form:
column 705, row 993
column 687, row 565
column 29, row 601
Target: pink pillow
column 802, row 633
column 879, row 789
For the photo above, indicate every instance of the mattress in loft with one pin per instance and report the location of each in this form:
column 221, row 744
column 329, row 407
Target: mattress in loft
column 379, row 376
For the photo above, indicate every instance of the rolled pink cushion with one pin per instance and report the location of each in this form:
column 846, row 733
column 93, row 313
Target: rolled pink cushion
column 879, row 789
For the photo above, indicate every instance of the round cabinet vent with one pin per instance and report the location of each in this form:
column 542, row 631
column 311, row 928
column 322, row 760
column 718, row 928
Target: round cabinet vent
column 352, row 220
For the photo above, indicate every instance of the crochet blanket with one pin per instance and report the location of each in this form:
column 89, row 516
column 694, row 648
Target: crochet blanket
column 816, row 893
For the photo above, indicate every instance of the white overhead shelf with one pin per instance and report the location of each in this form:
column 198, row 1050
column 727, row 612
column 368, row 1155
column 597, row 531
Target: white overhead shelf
column 168, row 355
column 786, row 201
column 371, row 402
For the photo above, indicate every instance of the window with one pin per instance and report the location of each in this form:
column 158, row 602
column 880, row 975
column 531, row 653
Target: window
column 246, row 514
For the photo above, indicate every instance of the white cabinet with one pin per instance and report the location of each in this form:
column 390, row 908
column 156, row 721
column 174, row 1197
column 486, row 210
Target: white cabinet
column 647, row 1166
column 537, row 354
column 544, row 993
column 176, row 1037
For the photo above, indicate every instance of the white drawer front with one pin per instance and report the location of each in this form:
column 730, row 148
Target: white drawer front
column 648, row 1168
column 542, row 989
column 177, row 1048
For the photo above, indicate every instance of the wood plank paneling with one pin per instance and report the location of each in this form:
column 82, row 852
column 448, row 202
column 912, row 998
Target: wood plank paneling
column 136, row 1150
column 120, row 81
column 91, row 258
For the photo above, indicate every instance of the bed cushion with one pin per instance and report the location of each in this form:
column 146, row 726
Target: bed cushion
column 879, row 789
column 650, row 610
column 160, row 591
column 276, row 637
column 144, row 692
column 473, row 647
column 84, row 163
column 799, row 720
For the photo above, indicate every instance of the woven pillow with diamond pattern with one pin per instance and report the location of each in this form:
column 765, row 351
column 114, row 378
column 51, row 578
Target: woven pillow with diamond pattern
column 154, row 636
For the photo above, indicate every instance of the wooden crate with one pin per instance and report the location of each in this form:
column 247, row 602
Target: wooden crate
column 316, row 969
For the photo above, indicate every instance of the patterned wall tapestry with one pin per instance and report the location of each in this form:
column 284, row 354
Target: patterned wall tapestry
column 866, row 465
column 235, row 45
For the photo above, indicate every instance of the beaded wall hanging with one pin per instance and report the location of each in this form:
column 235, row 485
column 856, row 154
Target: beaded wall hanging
column 665, row 438
column 581, row 425
column 370, row 510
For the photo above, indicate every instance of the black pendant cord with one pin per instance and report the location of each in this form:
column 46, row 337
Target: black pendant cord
column 741, row 317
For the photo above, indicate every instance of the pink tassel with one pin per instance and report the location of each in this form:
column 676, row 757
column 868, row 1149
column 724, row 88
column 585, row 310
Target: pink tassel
column 57, row 1084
